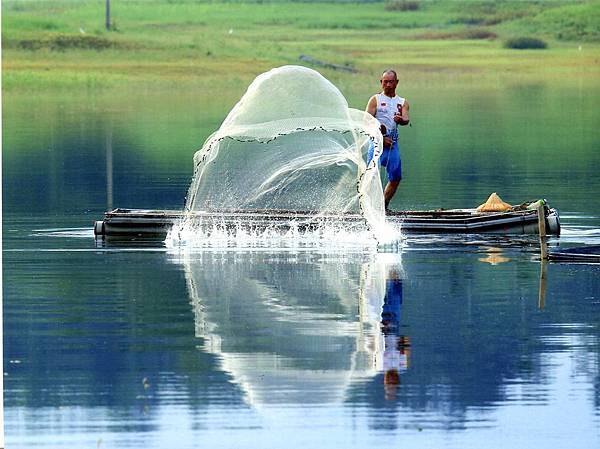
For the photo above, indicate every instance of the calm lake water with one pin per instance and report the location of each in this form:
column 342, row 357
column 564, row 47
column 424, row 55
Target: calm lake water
column 434, row 342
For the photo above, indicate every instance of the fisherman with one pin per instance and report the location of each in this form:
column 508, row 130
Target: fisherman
column 391, row 111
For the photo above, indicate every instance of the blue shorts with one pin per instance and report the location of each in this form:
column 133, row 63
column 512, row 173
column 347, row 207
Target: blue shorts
column 390, row 159
column 392, row 303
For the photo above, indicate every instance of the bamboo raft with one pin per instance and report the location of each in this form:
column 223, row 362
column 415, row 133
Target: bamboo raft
column 155, row 224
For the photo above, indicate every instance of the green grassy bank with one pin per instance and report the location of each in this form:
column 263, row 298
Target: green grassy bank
column 63, row 44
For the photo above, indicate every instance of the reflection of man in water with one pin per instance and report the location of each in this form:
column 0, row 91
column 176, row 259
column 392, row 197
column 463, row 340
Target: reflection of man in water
column 396, row 348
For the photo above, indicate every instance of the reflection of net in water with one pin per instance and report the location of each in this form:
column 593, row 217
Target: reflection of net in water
column 291, row 144
column 285, row 327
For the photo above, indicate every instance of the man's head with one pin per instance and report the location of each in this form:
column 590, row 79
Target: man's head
column 389, row 81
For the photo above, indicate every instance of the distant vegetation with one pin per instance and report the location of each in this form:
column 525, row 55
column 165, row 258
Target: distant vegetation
column 471, row 33
column 402, row 5
column 64, row 42
column 523, row 43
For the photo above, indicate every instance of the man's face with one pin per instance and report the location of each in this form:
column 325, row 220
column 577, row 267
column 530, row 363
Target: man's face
column 389, row 83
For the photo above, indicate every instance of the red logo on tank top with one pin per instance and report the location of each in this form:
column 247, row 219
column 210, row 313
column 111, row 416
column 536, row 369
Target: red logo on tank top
column 383, row 104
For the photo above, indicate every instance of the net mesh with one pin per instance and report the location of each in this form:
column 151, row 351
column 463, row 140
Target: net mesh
column 291, row 143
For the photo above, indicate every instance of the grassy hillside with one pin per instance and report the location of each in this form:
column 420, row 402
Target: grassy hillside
column 64, row 44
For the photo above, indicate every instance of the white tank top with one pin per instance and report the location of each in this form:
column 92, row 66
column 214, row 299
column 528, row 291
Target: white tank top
column 386, row 108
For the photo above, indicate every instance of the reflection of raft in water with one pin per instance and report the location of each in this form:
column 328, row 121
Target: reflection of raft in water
column 133, row 223
column 590, row 254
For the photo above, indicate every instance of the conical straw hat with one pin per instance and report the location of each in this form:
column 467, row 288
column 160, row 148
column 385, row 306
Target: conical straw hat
column 494, row 204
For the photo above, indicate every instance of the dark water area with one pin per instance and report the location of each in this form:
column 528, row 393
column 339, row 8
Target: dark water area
column 458, row 342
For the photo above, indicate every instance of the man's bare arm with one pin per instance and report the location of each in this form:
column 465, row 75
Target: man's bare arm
column 403, row 118
column 372, row 106
column 372, row 109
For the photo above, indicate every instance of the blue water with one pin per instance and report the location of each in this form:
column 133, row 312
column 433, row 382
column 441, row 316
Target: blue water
column 143, row 346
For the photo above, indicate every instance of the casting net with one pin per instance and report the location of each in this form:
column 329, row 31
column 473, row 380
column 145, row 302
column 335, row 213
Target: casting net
column 291, row 144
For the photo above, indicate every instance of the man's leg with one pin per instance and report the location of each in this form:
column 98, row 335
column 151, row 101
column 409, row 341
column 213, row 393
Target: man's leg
column 390, row 190
column 394, row 172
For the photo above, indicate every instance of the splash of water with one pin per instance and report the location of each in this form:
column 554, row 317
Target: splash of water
column 289, row 235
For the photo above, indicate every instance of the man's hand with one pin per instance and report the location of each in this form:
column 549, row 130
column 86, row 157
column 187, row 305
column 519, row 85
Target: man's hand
column 387, row 142
column 401, row 118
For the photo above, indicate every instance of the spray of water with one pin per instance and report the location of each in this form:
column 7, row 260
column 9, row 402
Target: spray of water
column 291, row 235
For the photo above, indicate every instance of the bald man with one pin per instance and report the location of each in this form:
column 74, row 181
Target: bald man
column 391, row 111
